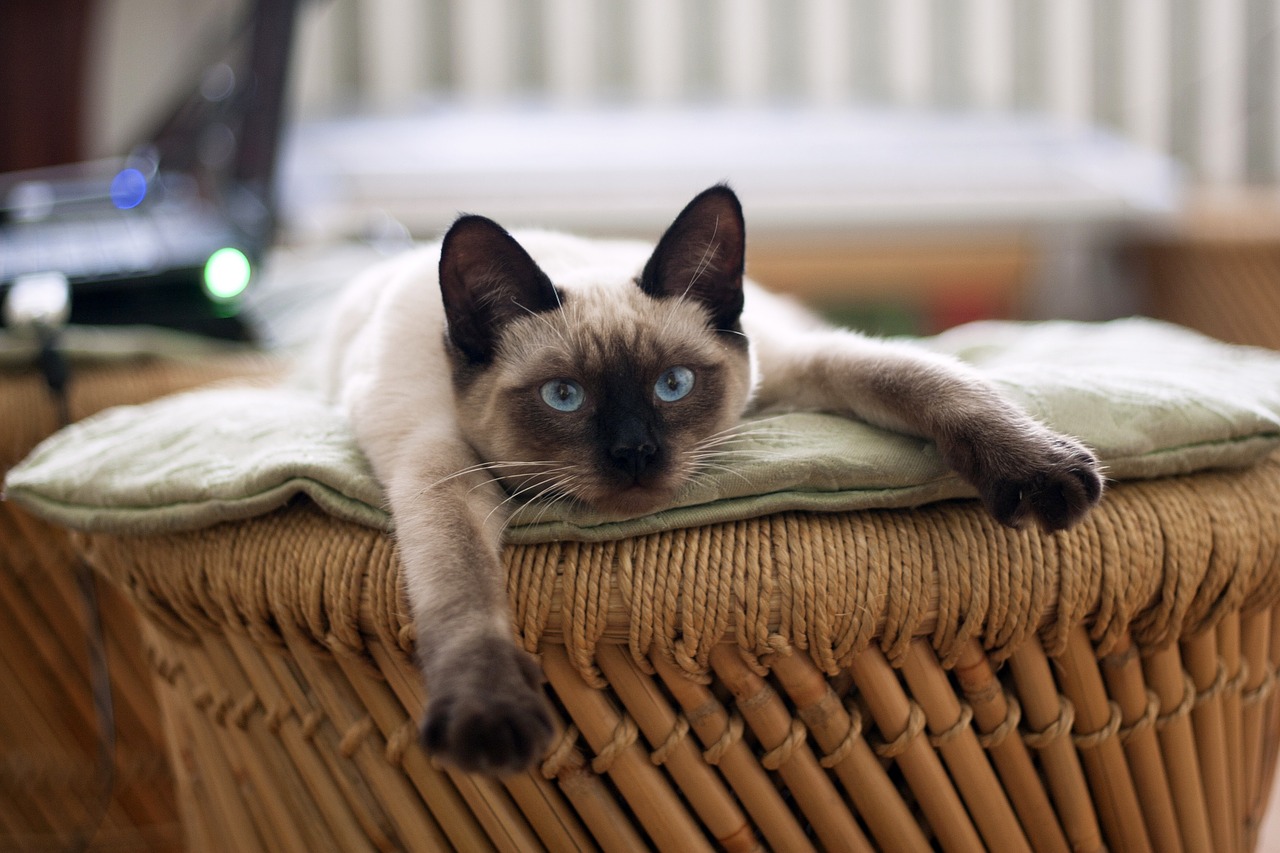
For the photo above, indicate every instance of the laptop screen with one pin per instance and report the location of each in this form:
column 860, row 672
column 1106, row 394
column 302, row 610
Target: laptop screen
column 172, row 233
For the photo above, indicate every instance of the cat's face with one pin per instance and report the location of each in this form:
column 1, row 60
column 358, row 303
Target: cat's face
column 611, row 394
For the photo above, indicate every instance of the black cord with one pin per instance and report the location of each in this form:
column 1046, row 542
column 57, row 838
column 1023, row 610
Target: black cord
column 53, row 364
column 57, row 373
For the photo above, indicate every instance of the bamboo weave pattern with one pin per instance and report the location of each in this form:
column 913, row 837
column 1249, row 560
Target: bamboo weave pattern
column 48, row 790
column 885, row 679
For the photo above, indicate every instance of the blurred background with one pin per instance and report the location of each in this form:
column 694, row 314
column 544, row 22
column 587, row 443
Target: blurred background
column 905, row 164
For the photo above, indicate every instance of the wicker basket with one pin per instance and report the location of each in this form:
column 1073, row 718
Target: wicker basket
column 50, row 793
column 881, row 679
column 1224, row 287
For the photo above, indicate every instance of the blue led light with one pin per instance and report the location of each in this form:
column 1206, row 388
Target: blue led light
column 128, row 188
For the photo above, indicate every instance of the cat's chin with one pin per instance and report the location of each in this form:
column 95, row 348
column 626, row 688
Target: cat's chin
column 633, row 501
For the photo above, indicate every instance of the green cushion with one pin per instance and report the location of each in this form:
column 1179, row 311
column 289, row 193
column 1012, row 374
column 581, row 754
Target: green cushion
column 1150, row 398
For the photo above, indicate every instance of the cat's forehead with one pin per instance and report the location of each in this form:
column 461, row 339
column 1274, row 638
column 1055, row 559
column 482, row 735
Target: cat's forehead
column 599, row 327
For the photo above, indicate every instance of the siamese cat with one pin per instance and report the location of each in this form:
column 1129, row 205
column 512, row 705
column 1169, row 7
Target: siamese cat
column 491, row 368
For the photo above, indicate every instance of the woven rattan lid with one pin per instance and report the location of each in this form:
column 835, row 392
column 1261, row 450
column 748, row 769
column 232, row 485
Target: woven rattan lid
column 1158, row 558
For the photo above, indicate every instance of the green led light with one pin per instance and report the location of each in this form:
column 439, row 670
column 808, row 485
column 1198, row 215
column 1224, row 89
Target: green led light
column 226, row 274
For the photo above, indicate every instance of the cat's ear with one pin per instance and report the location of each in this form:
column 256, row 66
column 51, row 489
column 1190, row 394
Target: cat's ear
column 701, row 256
column 487, row 279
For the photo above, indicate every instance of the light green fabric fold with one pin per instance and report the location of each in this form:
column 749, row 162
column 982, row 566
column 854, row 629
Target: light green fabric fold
column 1149, row 398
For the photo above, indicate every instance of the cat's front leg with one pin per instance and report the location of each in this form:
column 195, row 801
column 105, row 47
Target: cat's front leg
column 1022, row 469
column 486, row 710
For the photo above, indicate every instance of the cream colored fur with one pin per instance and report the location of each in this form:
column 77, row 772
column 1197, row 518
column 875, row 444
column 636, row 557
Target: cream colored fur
column 386, row 364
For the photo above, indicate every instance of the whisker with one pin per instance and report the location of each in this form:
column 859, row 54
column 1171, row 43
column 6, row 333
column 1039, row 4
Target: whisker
column 727, row 456
column 544, row 479
column 703, row 263
column 565, row 491
column 703, row 465
column 483, row 466
column 752, row 423
column 756, row 437
column 523, row 485
column 514, row 496
column 733, row 447
column 716, row 441
column 538, row 315
column 705, row 260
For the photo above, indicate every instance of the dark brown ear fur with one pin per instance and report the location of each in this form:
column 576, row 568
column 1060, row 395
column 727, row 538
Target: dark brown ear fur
column 487, row 279
column 701, row 256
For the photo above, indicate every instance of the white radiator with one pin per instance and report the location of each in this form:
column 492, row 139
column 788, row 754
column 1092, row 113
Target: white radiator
column 1197, row 79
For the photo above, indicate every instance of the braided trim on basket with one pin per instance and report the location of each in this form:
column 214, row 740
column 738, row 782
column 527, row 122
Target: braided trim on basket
column 202, row 697
column 563, row 756
column 1184, row 707
column 1218, row 686
column 275, row 717
column 731, row 735
column 961, row 723
column 399, row 742
column 1257, row 694
column 1116, row 660
column 899, row 745
column 842, row 750
column 760, row 697
column 240, row 711
column 781, row 754
column 353, row 737
column 1012, row 717
column 357, row 655
column 164, row 667
column 677, row 734
column 1059, row 727
column 406, row 639
column 1146, row 721
column 1236, row 684
column 221, row 705
column 624, row 734
column 311, row 723
column 1092, row 740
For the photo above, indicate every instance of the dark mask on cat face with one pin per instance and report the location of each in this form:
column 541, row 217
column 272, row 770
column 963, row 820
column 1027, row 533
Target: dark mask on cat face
column 608, row 391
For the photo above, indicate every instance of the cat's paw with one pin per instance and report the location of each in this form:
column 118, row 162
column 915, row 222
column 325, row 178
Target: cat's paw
column 1050, row 479
column 489, row 715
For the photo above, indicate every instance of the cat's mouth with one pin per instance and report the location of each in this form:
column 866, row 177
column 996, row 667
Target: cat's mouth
column 634, row 500
column 600, row 487
column 620, row 502
column 605, row 498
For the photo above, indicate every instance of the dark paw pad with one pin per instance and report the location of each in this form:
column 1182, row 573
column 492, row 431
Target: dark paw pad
column 1056, row 487
column 491, row 719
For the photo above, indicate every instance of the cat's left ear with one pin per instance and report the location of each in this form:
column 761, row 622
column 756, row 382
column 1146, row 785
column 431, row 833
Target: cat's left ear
column 487, row 279
column 702, row 255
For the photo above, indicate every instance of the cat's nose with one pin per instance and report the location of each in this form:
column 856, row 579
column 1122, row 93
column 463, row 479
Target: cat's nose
column 634, row 458
column 632, row 444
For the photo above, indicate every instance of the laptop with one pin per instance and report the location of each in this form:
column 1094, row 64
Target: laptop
column 172, row 233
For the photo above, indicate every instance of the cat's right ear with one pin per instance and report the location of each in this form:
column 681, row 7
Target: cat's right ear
column 701, row 257
column 487, row 279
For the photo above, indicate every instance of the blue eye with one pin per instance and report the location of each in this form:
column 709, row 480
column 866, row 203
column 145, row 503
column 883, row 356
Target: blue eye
column 676, row 383
column 563, row 395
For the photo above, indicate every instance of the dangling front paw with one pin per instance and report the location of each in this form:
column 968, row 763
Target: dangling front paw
column 1049, row 478
column 488, row 714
